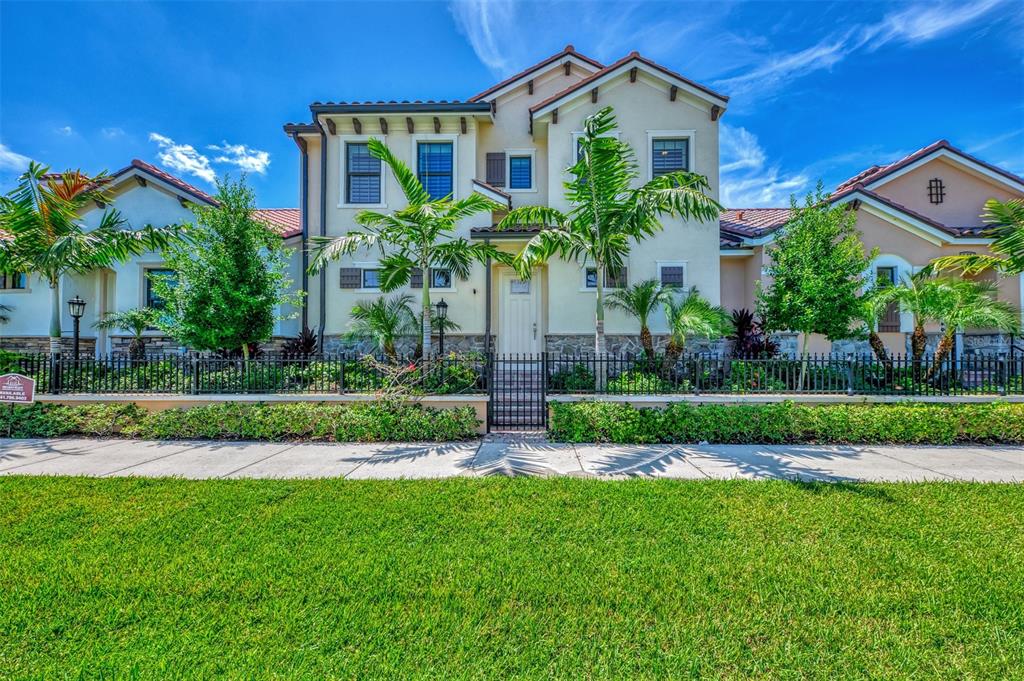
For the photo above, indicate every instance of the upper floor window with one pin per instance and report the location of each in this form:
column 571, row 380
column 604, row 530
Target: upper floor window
column 520, row 171
column 371, row 278
column 152, row 299
column 936, row 191
column 362, row 174
column 435, row 166
column 13, row 280
column 669, row 155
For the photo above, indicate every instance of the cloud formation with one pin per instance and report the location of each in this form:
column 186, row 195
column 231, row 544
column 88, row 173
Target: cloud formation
column 11, row 160
column 186, row 159
column 248, row 159
column 65, row 130
column 747, row 180
column 111, row 133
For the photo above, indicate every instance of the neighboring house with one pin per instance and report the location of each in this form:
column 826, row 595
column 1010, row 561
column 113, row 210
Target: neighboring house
column 918, row 208
column 512, row 143
column 144, row 195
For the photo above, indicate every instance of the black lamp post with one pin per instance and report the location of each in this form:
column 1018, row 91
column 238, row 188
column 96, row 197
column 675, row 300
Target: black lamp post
column 76, row 306
column 442, row 315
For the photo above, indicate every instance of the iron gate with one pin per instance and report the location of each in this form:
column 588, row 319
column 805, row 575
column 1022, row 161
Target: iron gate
column 518, row 392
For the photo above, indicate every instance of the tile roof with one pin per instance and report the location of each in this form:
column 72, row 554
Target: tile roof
column 753, row 222
column 176, row 182
column 568, row 51
column 285, row 221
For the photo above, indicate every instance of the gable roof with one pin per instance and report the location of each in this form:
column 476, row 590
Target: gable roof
column 287, row 222
column 753, row 222
column 876, row 174
column 610, row 71
column 177, row 183
column 569, row 51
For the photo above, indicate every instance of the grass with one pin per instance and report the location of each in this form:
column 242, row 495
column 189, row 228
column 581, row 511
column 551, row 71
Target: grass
column 509, row 578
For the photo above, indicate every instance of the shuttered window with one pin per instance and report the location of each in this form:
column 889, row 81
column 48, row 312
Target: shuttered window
column 351, row 277
column 520, row 171
column 435, row 166
column 495, row 175
column 672, row 275
column 440, row 277
column 362, row 173
column 669, row 155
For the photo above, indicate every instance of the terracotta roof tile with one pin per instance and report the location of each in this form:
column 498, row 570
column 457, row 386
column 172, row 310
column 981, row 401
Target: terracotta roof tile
column 169, row 179
column 285, row 221
column 753, row 222
column 569, row 50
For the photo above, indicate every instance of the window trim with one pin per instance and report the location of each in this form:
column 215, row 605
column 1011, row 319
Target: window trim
column 532, row 153
column 583, row 280
column 451, row 277
column 685, row 264
column 144, row 269
column 437, row 137
column 15, row 291
column 652, row 135
column 343, row 141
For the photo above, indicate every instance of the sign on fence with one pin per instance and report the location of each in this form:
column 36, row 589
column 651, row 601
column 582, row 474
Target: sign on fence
column 17, row 389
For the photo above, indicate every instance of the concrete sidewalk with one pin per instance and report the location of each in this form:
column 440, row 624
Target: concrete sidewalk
column 505, row 455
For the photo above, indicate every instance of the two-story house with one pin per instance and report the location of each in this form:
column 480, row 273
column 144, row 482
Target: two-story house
column 512, row 143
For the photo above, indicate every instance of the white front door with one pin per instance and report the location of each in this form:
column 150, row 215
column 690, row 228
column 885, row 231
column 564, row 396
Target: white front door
column 519, row 305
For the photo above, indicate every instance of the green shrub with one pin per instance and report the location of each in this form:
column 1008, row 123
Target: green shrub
column 363, row 422
column 638, row 383
column 578, row 379
column 787, row 422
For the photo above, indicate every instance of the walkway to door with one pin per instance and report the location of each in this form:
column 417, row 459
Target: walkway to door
column 518, row 392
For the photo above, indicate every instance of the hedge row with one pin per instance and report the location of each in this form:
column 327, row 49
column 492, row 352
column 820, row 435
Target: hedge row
column 364, row 422
column 786, row 422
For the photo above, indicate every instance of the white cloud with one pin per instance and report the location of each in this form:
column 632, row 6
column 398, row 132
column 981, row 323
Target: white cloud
column 66, row 131
column 11, row 160
column 485, row 25
column 182, row 157
column 111, row 133
column 747, row 180
column 246, row 158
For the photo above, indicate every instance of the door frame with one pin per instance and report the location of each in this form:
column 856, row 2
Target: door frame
column 504, row 275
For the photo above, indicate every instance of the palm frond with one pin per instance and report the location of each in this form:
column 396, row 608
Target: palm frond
column 411, row 186
column 325, row 249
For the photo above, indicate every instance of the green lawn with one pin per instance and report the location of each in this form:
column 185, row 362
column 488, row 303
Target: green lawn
column 501, row 578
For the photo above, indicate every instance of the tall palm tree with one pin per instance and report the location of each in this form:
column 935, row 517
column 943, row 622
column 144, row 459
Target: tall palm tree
column 641, row 300
column 383, row 322
column 608, row 211
column 135, row 320
column 48, row 239
column 688, row 315
column 417, row 237
column 1007, row 234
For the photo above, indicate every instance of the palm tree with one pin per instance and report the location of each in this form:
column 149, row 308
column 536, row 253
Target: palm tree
column 4, row 309
column 436, row 324
column 962, row 304
column 691, row 314
column 608, row 212
column 48, row 238
column 918, row 295
column 135, row 320
column 416, row 237
column 1007, row 234
column 641, row 300
column 873, row 305
column 383, row 322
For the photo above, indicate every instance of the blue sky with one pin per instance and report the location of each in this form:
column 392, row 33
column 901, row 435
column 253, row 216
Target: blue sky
column 819, row 90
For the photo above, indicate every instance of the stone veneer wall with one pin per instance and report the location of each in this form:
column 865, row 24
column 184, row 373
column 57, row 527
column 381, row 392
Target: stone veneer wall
column 30, row 345
column 617, row 344
column 458, row 343
column 969, row 344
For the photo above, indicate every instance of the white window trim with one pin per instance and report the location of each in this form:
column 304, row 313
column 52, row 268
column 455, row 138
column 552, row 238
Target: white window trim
column 685, row 264
column 363, row 266
column 904, row 270
column 532, row 153
column 576, row 134
column 583, row 280
column 19, row 291
column 652, row 135
column 437, row 137
column 343, row 174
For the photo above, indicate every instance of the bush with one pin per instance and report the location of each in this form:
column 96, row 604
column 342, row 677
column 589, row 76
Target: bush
column 638, row 383
column 786, row 422
column 366, row 422
column 578, row 379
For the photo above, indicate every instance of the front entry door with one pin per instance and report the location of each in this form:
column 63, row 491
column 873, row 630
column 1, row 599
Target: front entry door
column 519, row 304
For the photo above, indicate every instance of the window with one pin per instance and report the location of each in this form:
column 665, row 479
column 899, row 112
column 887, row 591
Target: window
column 435, row 167
column 672, row 274
column 440, row 278
column 13, row 280
column 577, row 142
column 519, row 287
column 152, row 299
column 590, row 278
column 371, row 278
column 520, row 172
column 936, row 192
column 885, row 276
column 669, row 155
column 362, row 174
column 616, row 280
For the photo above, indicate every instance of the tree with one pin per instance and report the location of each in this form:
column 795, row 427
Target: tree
column 873, row 305
column 229, row 282
column 135, row 320
column 47, row 237
column 691, row 314
column 919, row 295
column 383, row 322
column 641, row 300
column 1007, row 234
column 816, row 270
column 608, row 211
column 417, row 237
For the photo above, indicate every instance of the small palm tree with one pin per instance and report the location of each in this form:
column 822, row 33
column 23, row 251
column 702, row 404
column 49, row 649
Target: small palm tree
column 383, row 322
column 688, row 315
column 436, row 324
column 873, row 305
column 641, row 300
column 417, row 237
column 1007, row 234
column 48, row 238
column 136, row 321
column 609, row 211
column 918, row 295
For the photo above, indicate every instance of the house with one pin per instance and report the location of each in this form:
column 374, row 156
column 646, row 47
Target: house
column 913, row 210
column 144, row 195
column 512, row 143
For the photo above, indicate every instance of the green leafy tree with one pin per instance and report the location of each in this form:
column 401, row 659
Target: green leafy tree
column 383, row 322
column 815, row 271
column 1007, row 234
column 46, row 236
column 609, row 211
column 691, row 314
column 136, row 321
column 641, row 300
column 417, row 237
column 229, row 282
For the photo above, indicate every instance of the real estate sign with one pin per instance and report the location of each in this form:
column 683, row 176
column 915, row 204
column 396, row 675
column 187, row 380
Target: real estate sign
column 17, row 389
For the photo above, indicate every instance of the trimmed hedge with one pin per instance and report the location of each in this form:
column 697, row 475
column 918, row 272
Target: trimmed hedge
column 787, row 422
column 361, row 422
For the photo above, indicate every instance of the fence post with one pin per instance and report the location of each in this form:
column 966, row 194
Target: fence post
column 1002, row 375
column 341, row 375
column 849, row 373
column 55, row 378
column 696, row 375
column 544, row 387
column 194, row 362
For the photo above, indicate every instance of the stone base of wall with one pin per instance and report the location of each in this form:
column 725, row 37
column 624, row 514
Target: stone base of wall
column 617, row 344
column 155, row 345
column 30, row 345
column 969, row 344
column 458, row 343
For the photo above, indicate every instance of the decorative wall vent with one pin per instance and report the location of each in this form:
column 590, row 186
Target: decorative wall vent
column 936, row 192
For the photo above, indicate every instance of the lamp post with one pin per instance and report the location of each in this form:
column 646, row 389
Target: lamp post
column 76, row 306
column 442, row 315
